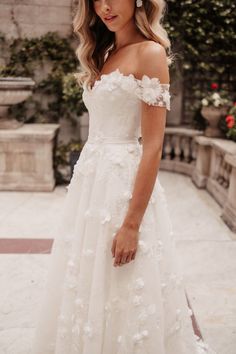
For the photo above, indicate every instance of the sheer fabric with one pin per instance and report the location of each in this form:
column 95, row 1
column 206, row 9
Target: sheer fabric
column 89, row 306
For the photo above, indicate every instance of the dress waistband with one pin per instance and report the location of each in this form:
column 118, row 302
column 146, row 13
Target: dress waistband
column 111, row 140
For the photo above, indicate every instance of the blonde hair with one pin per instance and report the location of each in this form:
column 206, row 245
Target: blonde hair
column 96, row 40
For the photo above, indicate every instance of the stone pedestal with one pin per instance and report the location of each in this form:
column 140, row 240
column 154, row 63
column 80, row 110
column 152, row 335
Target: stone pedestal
column 26, row 157
column 201, row 171
column 229, row 211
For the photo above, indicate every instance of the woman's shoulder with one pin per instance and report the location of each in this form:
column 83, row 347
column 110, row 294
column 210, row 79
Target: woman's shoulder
column 152, row 61
column 148, row 48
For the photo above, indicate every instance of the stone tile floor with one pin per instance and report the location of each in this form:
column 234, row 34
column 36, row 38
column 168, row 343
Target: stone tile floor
column 206, row 246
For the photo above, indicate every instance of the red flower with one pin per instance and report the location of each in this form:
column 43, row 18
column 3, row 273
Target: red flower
column 234, row 103
column 229, row 118
column 230, row 124
column 214, row 86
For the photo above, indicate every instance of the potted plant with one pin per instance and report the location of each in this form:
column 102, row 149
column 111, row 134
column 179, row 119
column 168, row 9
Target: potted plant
column 13, row 90
column 214, row 106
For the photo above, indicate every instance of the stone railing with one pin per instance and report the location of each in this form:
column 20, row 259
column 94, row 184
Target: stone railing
column 210, row 162
column 216, row 171
column 179, row 150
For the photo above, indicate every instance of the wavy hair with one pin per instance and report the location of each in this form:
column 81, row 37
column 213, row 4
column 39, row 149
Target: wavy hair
column 96, row 40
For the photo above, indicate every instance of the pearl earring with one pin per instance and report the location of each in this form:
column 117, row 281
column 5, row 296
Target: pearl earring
column 139, row 3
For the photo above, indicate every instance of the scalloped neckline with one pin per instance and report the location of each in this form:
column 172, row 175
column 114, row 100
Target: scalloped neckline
column 98, row 81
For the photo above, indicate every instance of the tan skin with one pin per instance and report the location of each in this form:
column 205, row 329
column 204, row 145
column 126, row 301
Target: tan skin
column 133, row 52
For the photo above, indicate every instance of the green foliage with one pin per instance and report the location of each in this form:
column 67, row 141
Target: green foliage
column 203, row 33
column 204, row 42
column 63, row 159
column 49, row 60
column 71, row 93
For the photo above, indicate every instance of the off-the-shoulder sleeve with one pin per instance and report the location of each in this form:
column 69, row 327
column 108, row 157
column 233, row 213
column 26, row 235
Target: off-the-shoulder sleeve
column 151, row 91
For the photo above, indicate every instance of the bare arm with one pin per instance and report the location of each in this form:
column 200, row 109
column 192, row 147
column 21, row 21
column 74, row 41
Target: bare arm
column 153, row 122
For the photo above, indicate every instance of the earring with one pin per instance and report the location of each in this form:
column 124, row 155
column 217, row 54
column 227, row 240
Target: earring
column 139, row 3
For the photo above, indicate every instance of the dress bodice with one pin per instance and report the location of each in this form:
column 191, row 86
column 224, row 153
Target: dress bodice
column 114, row 104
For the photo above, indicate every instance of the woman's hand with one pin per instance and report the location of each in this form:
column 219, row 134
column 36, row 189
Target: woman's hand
column 124, row 246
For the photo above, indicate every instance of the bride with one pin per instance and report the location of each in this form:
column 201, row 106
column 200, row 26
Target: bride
column 114, row 283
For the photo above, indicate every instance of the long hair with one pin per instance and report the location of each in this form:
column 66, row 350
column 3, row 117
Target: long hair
column 96, row 40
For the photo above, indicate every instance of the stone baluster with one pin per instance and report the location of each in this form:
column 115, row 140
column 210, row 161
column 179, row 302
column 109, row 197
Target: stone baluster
column 227, row 172
column 167, row 147
column 177, row 149
column 216, row 165
column 186, row 148
column 194, row 151
column 220, row 178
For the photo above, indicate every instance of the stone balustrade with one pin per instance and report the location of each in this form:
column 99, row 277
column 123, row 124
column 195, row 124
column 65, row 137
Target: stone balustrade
column 210, row 162
column 216, row 171
column 179, row 150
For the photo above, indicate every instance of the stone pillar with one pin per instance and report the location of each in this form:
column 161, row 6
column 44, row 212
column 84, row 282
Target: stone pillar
column 203, row 161
column 26, row 157
column 229, row 210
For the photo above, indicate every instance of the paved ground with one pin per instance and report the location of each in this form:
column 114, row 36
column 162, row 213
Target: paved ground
column 206, row 246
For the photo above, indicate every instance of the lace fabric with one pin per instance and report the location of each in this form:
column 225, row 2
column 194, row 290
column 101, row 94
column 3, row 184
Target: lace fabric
column 89, row 306
column 149, row 90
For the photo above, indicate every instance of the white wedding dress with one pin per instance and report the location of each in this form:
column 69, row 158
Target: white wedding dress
column 90, row 306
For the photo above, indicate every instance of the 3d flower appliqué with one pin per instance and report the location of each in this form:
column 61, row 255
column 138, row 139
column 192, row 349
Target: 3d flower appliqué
column 79, row 302
column 105, row 216
column 139, row 283
column 88, row 252
column 127, row 194
column 143, row 247
column 131, row 148
column 128, row 83
column 87, row 329
column 137, row 300
column 143, row 315
column 151, row 309
column 151, row 91
column 138, row 337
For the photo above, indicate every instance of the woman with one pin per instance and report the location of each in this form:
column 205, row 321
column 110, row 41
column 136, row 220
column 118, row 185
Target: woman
column 114, row 285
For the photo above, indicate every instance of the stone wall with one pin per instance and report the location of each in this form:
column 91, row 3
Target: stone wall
column 33, row 18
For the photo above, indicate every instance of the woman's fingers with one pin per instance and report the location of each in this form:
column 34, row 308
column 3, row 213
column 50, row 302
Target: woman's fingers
column 118, row 256
column 129, row 258
column 121, row 257
column 124, row 257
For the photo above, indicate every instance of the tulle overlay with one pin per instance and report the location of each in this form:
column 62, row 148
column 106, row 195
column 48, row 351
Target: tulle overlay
column 91, row 307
